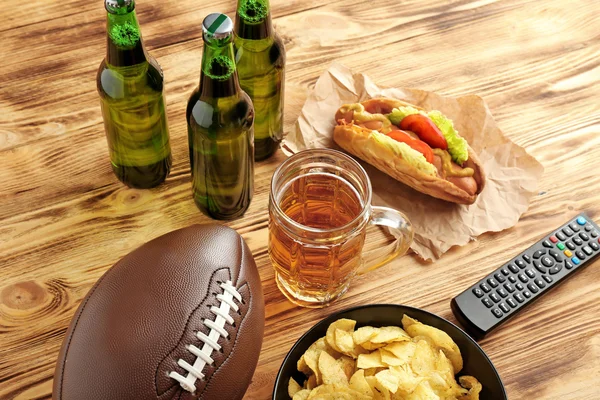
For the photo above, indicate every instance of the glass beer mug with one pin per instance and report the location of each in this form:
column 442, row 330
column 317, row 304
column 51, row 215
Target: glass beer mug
column 319, row 211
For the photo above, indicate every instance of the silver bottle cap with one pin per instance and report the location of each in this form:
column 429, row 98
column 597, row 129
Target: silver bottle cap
column 216, row 26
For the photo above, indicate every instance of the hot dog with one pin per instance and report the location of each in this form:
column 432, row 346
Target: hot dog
column 419, row 148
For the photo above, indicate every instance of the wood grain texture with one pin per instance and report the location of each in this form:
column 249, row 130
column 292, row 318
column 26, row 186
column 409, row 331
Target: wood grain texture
column 65, row 219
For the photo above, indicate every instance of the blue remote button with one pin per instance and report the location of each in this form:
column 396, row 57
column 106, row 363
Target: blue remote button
column 575, row 260
column 581, row 221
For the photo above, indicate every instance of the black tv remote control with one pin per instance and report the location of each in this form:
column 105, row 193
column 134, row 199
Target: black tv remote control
column 503, row 293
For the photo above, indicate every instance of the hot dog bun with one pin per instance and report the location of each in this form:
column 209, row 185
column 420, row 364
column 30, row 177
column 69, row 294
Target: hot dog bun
column 359, row 142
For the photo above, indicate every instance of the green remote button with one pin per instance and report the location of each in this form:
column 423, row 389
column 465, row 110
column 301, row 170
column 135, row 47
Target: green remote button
column 560, row 246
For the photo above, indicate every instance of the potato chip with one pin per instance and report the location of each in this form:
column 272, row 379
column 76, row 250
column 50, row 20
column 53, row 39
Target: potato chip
column 389, row 334
column 348, row 365
column 293, row 387
column 303, row 367
column 311, row 382
column 440, row 339
column 388, row 379
column 371, row 371
column 379, row 392
column 469, row 382
column 364, row 334
column 372, row 346
column 301, row 395
column 342, row 324
column 407, row 380
column 311, row 356
column 331, row 371
column 369, row 360
column 360, row 384
column 345, row 342
column 398, row 353
column 423, row 361
column 423, row 392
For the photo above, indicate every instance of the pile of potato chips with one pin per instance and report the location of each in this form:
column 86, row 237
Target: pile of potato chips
column 418, row 362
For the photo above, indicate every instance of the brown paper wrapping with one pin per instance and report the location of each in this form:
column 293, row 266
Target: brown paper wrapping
column 512, row 174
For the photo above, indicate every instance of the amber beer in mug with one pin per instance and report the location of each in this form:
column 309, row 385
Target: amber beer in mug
column 319, row 210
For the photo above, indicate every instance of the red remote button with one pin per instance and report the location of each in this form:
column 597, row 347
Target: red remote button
column 553, row 239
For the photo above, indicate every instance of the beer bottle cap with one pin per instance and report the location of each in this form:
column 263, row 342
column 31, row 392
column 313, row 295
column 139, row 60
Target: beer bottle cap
column 216, row 26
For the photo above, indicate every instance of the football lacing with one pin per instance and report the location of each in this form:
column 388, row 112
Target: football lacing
column 203, row 356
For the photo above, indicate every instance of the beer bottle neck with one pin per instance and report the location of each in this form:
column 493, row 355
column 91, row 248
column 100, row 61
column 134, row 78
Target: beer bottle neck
column 218, row 75
column 253, row 19
column 124, row 39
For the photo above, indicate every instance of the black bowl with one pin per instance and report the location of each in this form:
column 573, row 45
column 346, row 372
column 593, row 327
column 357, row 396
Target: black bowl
column 476, row 362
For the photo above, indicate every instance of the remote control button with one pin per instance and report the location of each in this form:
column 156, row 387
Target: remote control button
column 568, row 231
column 574, row 227
column 547, row 244
column 580, row 255
column 539, row 267
column 519, row 298
column 577, row 241
column 492, row 282
column 540, row 283
column 523, row 278
column 594, row 246
column 502, row 292
column 575, row 261
column 568, row 253
column 505, row 271
column 512, row 279
column 519, row 286
column 594, row 234
column 587, row 250
column 568, row 265
column 584, row 236
column 555, row 270
column 495, row 297
column 510, row 288
column 499, row 277
column 530, row 273
column 513, row 269
column 526, row 258
column 588, row 228
column 547, row 261
column 485, row 288
column 571, row 246
column 548, row 278
column 533, row 288
column 581, row 221
column 527, row 294
column 553, row 239
column 555, row 255
column 497, row 313
column 511, row 303
column 560, row 246
column 539, row 253
column 560, row 236
column 478, row 292
column 520, row 263
column 487, row 302
column 504, row 307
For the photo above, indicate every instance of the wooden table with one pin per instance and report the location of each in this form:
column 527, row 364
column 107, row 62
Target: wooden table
column 65, row 219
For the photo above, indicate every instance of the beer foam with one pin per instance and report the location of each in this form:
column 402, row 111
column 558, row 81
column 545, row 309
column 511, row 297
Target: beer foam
column 253, row 11
column 220, row 68
column 125, row 35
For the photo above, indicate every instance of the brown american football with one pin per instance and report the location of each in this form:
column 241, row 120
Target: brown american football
column 181, row 317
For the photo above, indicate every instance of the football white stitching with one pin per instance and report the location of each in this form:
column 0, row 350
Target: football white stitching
column 203, row 356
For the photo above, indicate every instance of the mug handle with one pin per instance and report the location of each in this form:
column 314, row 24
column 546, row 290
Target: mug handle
column 399, row 226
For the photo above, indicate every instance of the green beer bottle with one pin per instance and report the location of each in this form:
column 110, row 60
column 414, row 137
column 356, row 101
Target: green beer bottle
column 220, row 121
column 130, row 83
column 260, row 58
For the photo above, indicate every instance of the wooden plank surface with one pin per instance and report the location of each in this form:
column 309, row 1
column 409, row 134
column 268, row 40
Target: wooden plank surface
column 65, row 219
